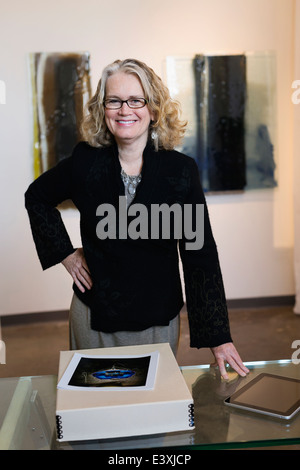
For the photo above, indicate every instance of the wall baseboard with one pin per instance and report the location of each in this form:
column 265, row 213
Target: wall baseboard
column 23, row 318
column 260, row 302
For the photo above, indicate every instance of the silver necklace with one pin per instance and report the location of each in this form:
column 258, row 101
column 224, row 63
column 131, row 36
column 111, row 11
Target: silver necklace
column 131, row 182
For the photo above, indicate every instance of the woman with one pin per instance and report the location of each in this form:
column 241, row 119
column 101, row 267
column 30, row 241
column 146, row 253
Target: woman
column 127, row 289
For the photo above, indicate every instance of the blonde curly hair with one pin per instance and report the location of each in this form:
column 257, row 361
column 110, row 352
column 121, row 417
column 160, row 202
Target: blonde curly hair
column 167, row 130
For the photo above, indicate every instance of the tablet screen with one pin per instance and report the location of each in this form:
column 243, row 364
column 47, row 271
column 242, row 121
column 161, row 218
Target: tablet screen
column 269, row 394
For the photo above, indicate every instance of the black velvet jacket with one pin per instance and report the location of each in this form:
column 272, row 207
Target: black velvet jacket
column 136, row 283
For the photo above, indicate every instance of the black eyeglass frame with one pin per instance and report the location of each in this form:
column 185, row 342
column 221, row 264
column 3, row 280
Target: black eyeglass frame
column 121, row 102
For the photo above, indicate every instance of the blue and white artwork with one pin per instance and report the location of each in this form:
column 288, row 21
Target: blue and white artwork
column 229, row 103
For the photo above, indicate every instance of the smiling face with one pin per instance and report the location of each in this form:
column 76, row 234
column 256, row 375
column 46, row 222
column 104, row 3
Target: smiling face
column 127, row 125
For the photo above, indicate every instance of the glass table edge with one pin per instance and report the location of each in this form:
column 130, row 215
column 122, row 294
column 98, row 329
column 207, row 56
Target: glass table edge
column 219, row 445
column 240, row 444
column 247, row 364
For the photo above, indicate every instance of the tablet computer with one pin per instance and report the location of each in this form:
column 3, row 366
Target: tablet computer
column 269, row 394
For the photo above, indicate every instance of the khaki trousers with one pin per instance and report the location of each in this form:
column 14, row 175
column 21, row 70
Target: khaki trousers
column 83, row 337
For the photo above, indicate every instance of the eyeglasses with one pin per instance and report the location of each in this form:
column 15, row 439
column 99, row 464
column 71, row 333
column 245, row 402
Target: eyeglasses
column 114, row 103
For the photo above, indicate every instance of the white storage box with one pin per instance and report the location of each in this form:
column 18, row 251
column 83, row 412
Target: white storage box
column 107, row 407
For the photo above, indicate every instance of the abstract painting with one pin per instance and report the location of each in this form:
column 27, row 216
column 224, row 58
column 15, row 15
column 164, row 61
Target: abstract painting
column 60, row 89
column 229, row 103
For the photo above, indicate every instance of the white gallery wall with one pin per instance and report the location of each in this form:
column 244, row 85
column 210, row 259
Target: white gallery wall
column 253, row 230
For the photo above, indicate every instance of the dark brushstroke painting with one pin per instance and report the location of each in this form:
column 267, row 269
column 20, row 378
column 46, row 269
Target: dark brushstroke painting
column 221, row 147
column 230, row 118
column 61, row 88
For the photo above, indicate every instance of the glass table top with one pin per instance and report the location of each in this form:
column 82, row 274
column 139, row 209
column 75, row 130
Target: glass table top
column 27, row 415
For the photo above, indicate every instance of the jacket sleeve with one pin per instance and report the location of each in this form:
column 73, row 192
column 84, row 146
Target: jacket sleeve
column 205, row 295
column 41, row 200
